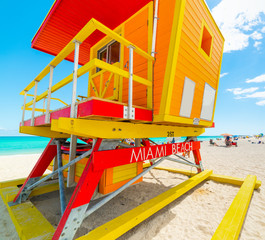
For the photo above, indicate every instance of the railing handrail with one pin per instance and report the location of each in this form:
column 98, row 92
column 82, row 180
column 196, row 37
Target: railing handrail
column 57, row 99
column 84, row 33
column 84, row 69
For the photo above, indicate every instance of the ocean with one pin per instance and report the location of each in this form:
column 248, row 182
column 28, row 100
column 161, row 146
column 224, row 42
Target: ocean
column 31, row 145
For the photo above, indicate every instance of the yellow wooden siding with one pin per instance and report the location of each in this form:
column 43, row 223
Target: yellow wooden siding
column 165, row 14
column 191, row 63
column 124, row 172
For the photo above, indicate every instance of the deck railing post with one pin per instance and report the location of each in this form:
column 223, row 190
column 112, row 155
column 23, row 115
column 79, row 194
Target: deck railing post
column 77, row 44
column 34, row 103
column 130, row 93
column 47, row 115
column 24, row 108
column 72, row 152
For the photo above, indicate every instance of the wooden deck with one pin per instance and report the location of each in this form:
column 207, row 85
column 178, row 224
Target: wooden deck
column 96, row 108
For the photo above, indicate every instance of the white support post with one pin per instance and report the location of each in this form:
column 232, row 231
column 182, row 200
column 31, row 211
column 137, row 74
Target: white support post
column 154, row 29
column 24, row 108
column 72, row 152
column 47, row 115
column 34, row 104
column 44, row 100
column 77, row 44
column 130, row 93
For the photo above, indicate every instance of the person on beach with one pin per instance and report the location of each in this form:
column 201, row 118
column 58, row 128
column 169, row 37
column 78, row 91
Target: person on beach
column 212, row 143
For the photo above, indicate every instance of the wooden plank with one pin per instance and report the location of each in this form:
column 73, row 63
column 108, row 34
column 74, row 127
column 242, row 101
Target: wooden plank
column 232, row 222
column 214, row 177
column 100, row 129
column 125, row 222
column 28, row 221
column 42, row 132
column 14, row 183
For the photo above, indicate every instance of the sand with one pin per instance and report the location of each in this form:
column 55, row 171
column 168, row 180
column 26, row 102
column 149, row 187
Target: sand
column 195, row 215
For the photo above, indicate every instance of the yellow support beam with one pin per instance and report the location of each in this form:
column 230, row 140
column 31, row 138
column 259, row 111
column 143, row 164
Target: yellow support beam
column 28, row 221
column 14, row 182
column 121, row 72
column 103, row 129
column 121, row 39
column 42, row 132
column 232, row 222
column 214, row 177
column 125, row 222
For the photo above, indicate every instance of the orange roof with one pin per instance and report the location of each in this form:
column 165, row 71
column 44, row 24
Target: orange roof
column 67, row 17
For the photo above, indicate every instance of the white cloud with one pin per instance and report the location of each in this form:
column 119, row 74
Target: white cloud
column 256, row 95
column 263, row 30
column 237, row 19
column 223, row 74
column 257, row 79
column 239, row 91
column 256, row 35
column 261, row 103
column 257, row 45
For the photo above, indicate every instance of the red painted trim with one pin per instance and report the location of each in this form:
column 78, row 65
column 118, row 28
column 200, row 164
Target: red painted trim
column 143, row 114
column 45, row 159
column 65, row 112
column 45, row 21
column 40, row 120
column 94, row 107
column 27, row 123
column 109, row 109
column 120, row 157
column 100, row 108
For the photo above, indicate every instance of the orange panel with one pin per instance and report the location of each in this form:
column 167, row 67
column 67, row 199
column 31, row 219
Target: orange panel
column 165, row 14
column 191, row 63
column 106, row 184
column 136, row 31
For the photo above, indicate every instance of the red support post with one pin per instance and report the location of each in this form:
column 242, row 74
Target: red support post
column 45, row 159
column 197, row 158
column 77, row 206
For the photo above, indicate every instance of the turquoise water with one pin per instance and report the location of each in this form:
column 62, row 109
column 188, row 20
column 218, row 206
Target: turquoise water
column 22, row 145
column 31, row 145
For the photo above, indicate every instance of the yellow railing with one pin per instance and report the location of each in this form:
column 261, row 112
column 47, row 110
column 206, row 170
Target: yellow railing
column 115, row 71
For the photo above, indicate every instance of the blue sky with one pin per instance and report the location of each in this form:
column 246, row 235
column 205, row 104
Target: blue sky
column 240, row 105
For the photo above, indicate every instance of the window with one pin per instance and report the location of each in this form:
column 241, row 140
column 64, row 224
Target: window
column 187, row 98
column 110, row 53
column 208, row 102
column 206, row 41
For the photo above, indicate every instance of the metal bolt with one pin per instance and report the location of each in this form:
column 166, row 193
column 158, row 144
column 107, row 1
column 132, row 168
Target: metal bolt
column 114, row 129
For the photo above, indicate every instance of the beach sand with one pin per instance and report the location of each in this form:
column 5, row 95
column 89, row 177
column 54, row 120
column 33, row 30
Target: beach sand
column 195, row 215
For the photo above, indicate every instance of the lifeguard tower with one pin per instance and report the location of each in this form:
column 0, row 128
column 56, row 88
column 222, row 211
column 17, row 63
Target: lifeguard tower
column 153, row 71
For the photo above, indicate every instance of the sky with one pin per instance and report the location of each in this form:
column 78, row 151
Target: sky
column 240, row 107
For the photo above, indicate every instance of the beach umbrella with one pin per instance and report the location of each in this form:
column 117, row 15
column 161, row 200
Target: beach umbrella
column 226, row 134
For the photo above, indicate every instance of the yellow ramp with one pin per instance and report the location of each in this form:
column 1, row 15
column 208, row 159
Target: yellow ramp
column 28, row 221
column 125, row 222
column 231, row 224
